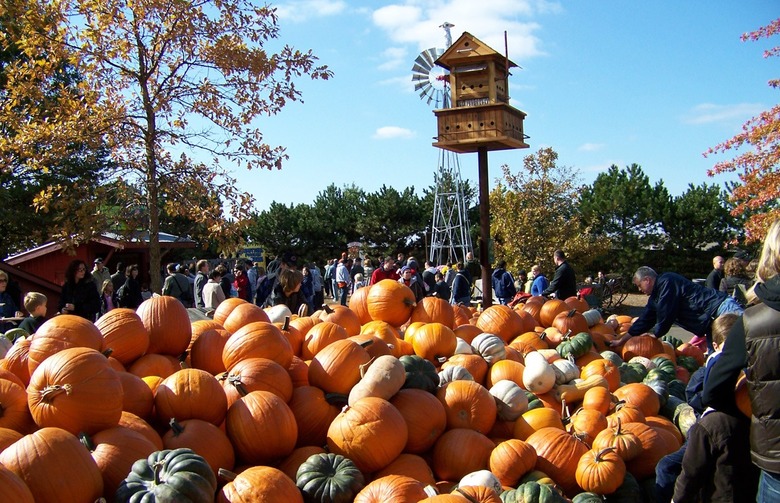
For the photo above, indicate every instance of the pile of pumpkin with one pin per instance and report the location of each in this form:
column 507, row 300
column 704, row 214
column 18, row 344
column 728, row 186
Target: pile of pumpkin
column 384, row 400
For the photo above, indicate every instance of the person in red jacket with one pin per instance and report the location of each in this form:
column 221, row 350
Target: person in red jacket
column 387, row 271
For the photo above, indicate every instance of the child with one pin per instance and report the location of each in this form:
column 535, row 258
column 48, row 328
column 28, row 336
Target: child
column 442, row 289
column 359, row 282
column 108, row 299
column 35, row 304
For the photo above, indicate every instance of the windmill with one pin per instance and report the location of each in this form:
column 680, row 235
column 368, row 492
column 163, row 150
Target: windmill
column 450, row 240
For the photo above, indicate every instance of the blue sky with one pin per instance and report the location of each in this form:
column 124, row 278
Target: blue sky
column 603, row 82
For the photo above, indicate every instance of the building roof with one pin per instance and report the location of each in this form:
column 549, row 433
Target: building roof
column 137, row 240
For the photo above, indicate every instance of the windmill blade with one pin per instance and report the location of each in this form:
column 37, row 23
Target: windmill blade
column 430, row 56
column 420, row 77
column 420, row 70
column 425, row 84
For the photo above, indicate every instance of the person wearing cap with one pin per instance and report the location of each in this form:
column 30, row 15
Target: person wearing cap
column 716, row 275
column 177, row 285
column 410, row 279
column 100, row 273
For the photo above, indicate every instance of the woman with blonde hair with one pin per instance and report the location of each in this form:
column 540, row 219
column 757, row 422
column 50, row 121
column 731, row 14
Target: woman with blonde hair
column 754, row 345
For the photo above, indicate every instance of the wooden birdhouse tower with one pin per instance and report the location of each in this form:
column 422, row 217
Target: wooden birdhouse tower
column 480, row 114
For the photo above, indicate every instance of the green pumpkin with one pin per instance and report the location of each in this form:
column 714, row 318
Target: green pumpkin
column 689, row 363
column 676, row 388
column 629, row 374
column 533, row 401
column 660, row 389
column 674, row 341
column 657, row 374
column 16, row 333
column 664, row 364
column 532, row 492
column 169, row 476
column 329, row 478
column 575, row 346
column 628, row 492
column 587, row 498
column 641, row 369
column 420, row 373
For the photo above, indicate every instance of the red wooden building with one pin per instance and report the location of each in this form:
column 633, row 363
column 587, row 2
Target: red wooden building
column 42, row 269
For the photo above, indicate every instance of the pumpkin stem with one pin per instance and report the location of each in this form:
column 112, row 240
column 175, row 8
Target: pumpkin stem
column 86, row 441
column 226, row 475
column 600, row 455
column 366, row 343
column 469, row 497
column 441, row 359
column 49, row 392
column 157, row 468
column 328, row 309
column 177, row 428
column 365, row 366
column 238, row 384
column 182, row 359
column 108, row 352
column 430, row 491
column 286, row 326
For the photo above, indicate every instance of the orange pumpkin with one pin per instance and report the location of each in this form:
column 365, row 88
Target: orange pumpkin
column 75, row 390
column 293, row 335
column 510, row 460
column 587, row 423
column 257, row 340
column 641, row 345
column 371, row 433
column 505, row 369
column 390, row 301
column 467, row 332
column 558, row 453
column 313, row 411
column 205, row 439
column 577, row 303
column 224, row 308
column 604, row 368
column 168, row 324
column 206, row 349
column 14, row 412
column 626, row 444
column 292, row 462
column 259, row 483
column 255, row 374
column 342, row 316
column 304, row 324
column 136, row 395
column 435, row 342
column 9, row 436
column 190, row 394
column 244, row 314
column 409, row 465
column 124, row 334
column 475, row 364
column 299, row 372
column 625, row 413
column 600, row 471
column 570, row 322
column 654, row 447
column 320, row 336
column 37, row 457
column 135, row 423
column 502, row 321
column 686, row 349
column 336, row 369
column 425, row 418
column 114, row 451
column 468, row 404
column 434, row 310
column 551, row 309
column 16, row 360
column 13, row 488
column 358, row 303
column 449, row 463
column 642, row 396
column 153, row 364
column 536, row 419
column 261, row 427
column 62, row 332
column 598, row 398
column 391, row 488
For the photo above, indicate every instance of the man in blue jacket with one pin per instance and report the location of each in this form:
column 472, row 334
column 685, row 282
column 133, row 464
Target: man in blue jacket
column 675, row 299
column 503, row 283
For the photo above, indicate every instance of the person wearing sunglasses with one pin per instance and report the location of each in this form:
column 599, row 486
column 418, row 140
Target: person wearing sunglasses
column 79, row 295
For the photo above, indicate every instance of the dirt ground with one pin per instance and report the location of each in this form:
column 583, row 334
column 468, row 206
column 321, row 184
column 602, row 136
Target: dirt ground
column 633, row 306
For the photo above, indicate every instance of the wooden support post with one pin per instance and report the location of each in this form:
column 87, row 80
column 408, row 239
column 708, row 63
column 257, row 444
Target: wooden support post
column 484, row 227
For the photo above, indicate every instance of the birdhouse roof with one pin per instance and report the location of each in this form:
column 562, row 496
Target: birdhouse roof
column 469, row 48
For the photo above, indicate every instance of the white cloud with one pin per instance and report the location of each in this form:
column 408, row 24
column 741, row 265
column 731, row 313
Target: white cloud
column 708, row 113
column 590, row 147
column 302, row 10
column 392, row 132
column 394, row 58
column 417, row 22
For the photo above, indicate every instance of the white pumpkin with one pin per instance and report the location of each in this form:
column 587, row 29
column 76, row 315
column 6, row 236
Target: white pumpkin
column 538, row 375
column 592, row 317
column 565, row 370
column 612, row 356
column 490, row 346
column 277, row 314
column 511, row 400
column 481, row 478
column 454, row 373
column 645, row 362
column 463, row 347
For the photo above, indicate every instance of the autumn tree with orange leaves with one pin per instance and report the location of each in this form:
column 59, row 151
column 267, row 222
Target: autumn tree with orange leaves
column 173, row 89
column 757, row 197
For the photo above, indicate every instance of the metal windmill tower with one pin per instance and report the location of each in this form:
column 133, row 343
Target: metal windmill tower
column 450, row 240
